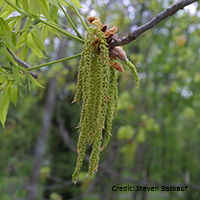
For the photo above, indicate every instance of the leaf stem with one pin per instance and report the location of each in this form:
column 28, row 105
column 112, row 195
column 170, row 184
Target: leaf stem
column 54, row 62
column 70, row 21
column 79, row 16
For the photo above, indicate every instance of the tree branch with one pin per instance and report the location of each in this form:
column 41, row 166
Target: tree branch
column 153, row 22
column 17, row 59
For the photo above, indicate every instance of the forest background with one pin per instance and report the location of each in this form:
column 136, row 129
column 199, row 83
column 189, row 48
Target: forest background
column 155, row 136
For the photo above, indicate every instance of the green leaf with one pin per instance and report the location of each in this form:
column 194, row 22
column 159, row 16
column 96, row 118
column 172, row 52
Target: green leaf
column 3, row 84
column 2, row 78
column 71, row 3
column 16, row 75
column 37, row 31
column 14, row 38
column 23, row 52
column 39, row 7
column 54, row 31
column 34, row 7
column 12, row 21
column 77, row 3
column 25, row 5
column 27, row 24
column 43, row 7
column 6, row 11
column 22, row 39
column 54, row 2
column 18, row 24
column 34, row 47
column 38, row 40
column 2, row 71
column 18, row 3
column 4, row 104
column 44, row 33
column 33, row 80
column 1, row 4
column 53, row 12
column 13, row 92
column 6, row 33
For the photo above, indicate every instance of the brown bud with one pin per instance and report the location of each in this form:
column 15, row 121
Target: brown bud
column 110, row 33
column 94, row 20
column 113, row 30
column 109, row 39
column 90, row 19
column 104, row 28
column 113, row 54
column 116, row 65
column 120, row 53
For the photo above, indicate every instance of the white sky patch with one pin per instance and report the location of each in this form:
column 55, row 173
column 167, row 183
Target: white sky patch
column 186, row 93
column 14, row 14
column 92, row 13
column 85, row 6
column 192, row 8
column 126, row 2
column 56, row 42
column 47, row 41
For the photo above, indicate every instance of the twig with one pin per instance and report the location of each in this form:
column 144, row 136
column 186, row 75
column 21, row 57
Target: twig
column 55, row 61
column 70, row 21
column 17, row 59
column 153, row 22
column 79, row 16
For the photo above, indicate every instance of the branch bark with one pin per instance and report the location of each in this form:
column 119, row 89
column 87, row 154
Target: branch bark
column 171, row 10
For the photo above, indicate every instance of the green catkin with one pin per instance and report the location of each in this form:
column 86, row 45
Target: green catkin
column 85, row 62
column 134, row 71
column 84, row 87
column 80, row 81
column 97, row 101
column 79, row 161
column 104, row 53
column 93, row 94
column 112, row 103
column 101, row 106
column 97, row 83
column 116, row 97
column 115, row 88
column 97, row 123
column 86, row 70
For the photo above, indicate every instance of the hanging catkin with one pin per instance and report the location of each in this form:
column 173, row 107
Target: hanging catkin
column 94, row 85
column 97, row 85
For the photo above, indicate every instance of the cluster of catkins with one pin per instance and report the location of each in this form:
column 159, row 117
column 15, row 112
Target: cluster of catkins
column 97, row 83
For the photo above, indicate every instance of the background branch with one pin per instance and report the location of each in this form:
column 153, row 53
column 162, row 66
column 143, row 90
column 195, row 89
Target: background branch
column 17, row 59
column 153, row 22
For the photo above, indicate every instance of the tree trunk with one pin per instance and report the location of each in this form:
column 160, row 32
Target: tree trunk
column 41, row 142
